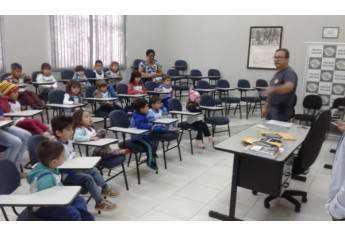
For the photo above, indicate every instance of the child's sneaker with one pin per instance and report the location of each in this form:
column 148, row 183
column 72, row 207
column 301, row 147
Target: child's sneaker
column 110, row 193
column 105, row 205
column 174, row 129
column 212, row 140
column 200, row 144
column 124, row 151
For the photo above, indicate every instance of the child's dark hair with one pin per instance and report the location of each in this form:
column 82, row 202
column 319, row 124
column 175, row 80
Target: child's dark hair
column 101, row 83
column 45, row 66
column 114, row 63
column 98, row 62
column 77, row 118
column 61, row 122
column 48, row 151
column 134, row 74
column 16, row 66
column 70, row 84
column 138, row 104
column 165, row 77
column 153, row 100
column 150, row 51
column 79, row 68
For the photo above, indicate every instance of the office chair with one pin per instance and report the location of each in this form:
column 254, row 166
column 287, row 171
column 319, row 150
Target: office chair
column 88, row 73
column 224, row 88
column 33, row 143
column 150, row 88
column 244, row 86
column 306, row 157
column 213, row 77
column 136, row 64
column 4, row 75
column 67, row 75
column 311, row 103
column 120, row 119
column 181, row 66
column 176, row 78
column 260, row 84
column 195, row 75
column 214, row 121
column 175, row 105
column 56, row 96
column 9, row 182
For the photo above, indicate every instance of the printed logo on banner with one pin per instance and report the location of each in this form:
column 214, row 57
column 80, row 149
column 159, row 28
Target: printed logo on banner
column 339, row 77
column 340, row 51
column 327, row 63
column 312, row 87
column 340, row 64
column 326, row 76
column 329, row 50
column 314, row 63
column 338, row 89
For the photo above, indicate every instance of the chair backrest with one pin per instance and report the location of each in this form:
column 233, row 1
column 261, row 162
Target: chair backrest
column 173, row 72
column 312, row 101
column 9, row 177
column 181, row 65
column 202, row 84
column 312, row 144
column 207, row 100
column 121, row 88
column 34, row 75
column 33, row 143
column 89, row 91
column 119, row 118
column 215, row 73
column 261, row 83
column 56, row 96
column 195, row 72
column 88, row 73
column 67, row 74
column 4, row 75
column 136, row 64
column 243, row 83
column 222, row 83
column 151, row 85
column 174, row 105
column 338, row 102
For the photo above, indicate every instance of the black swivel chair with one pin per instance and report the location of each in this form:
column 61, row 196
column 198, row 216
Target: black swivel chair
column 213, row 76
column 136, row 64
column 311, row 104
column 195, row 75
column 150, row 88
column 244, row 87
column 260, row 84
column 176, row 78
column 67, row 75
column 306, row 157
column 181, row 66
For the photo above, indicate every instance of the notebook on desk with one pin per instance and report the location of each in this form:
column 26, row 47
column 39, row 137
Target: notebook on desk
column 270, row 134
column 263, row 149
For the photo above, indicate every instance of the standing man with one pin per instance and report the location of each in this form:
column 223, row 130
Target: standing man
column 282, row 88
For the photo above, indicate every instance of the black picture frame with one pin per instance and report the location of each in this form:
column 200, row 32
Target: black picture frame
column 263, row 42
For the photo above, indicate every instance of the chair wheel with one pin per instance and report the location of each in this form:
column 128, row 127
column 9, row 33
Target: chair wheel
column 267, row 205
column 255, row 192
column 304, row 199
column 297, row 209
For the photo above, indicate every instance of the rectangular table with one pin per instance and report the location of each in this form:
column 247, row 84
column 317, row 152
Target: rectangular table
column 4, row 123
column 55, row 196
column 259, row 174
column 99, row 143
column 25, row 113
column 80, row 163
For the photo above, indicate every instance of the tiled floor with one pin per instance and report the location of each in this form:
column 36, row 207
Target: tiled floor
column 188, row 190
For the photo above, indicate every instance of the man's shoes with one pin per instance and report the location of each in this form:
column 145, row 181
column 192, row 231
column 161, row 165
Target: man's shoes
column 110, row 192
column 105, row 205
column 153, row 166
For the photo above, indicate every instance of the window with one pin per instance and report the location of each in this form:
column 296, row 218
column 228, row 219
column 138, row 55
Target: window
column 81, row 40
column 2, row 63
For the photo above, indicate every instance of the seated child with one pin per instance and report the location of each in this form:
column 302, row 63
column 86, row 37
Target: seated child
column 98, row 72
column 63, row 130
column 114, row 74
column 105, row 91
column 135, row 84
column 26, row 97
column 140, row 121
column 46, row 175
column 157, row 111
column 193, row 105
column 31, row 124
column 79, row 76
column 165, row 87
column 84, row 131
column 46, row 77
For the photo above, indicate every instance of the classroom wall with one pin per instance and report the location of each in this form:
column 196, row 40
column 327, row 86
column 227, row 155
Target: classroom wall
column 205, row 42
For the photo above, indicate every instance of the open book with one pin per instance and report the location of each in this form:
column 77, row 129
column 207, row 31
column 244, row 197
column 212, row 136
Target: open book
column 263, row 149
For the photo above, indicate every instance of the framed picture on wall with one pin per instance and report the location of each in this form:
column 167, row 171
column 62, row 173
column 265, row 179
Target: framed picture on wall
column 330, row 32
column 263, row 42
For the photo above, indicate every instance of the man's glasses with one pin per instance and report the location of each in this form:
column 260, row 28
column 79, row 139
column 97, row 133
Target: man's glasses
column 278, row 58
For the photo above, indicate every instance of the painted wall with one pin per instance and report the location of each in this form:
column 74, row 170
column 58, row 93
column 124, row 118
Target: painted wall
column 205, row 42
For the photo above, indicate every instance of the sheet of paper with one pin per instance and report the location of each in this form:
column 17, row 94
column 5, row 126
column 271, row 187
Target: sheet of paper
column 279, row 123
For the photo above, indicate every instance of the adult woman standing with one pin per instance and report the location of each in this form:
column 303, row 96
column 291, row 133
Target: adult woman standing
column 150, row 69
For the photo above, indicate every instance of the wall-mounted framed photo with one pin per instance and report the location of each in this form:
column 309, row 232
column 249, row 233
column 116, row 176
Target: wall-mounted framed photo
column 263, row 42
column 330, row 32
